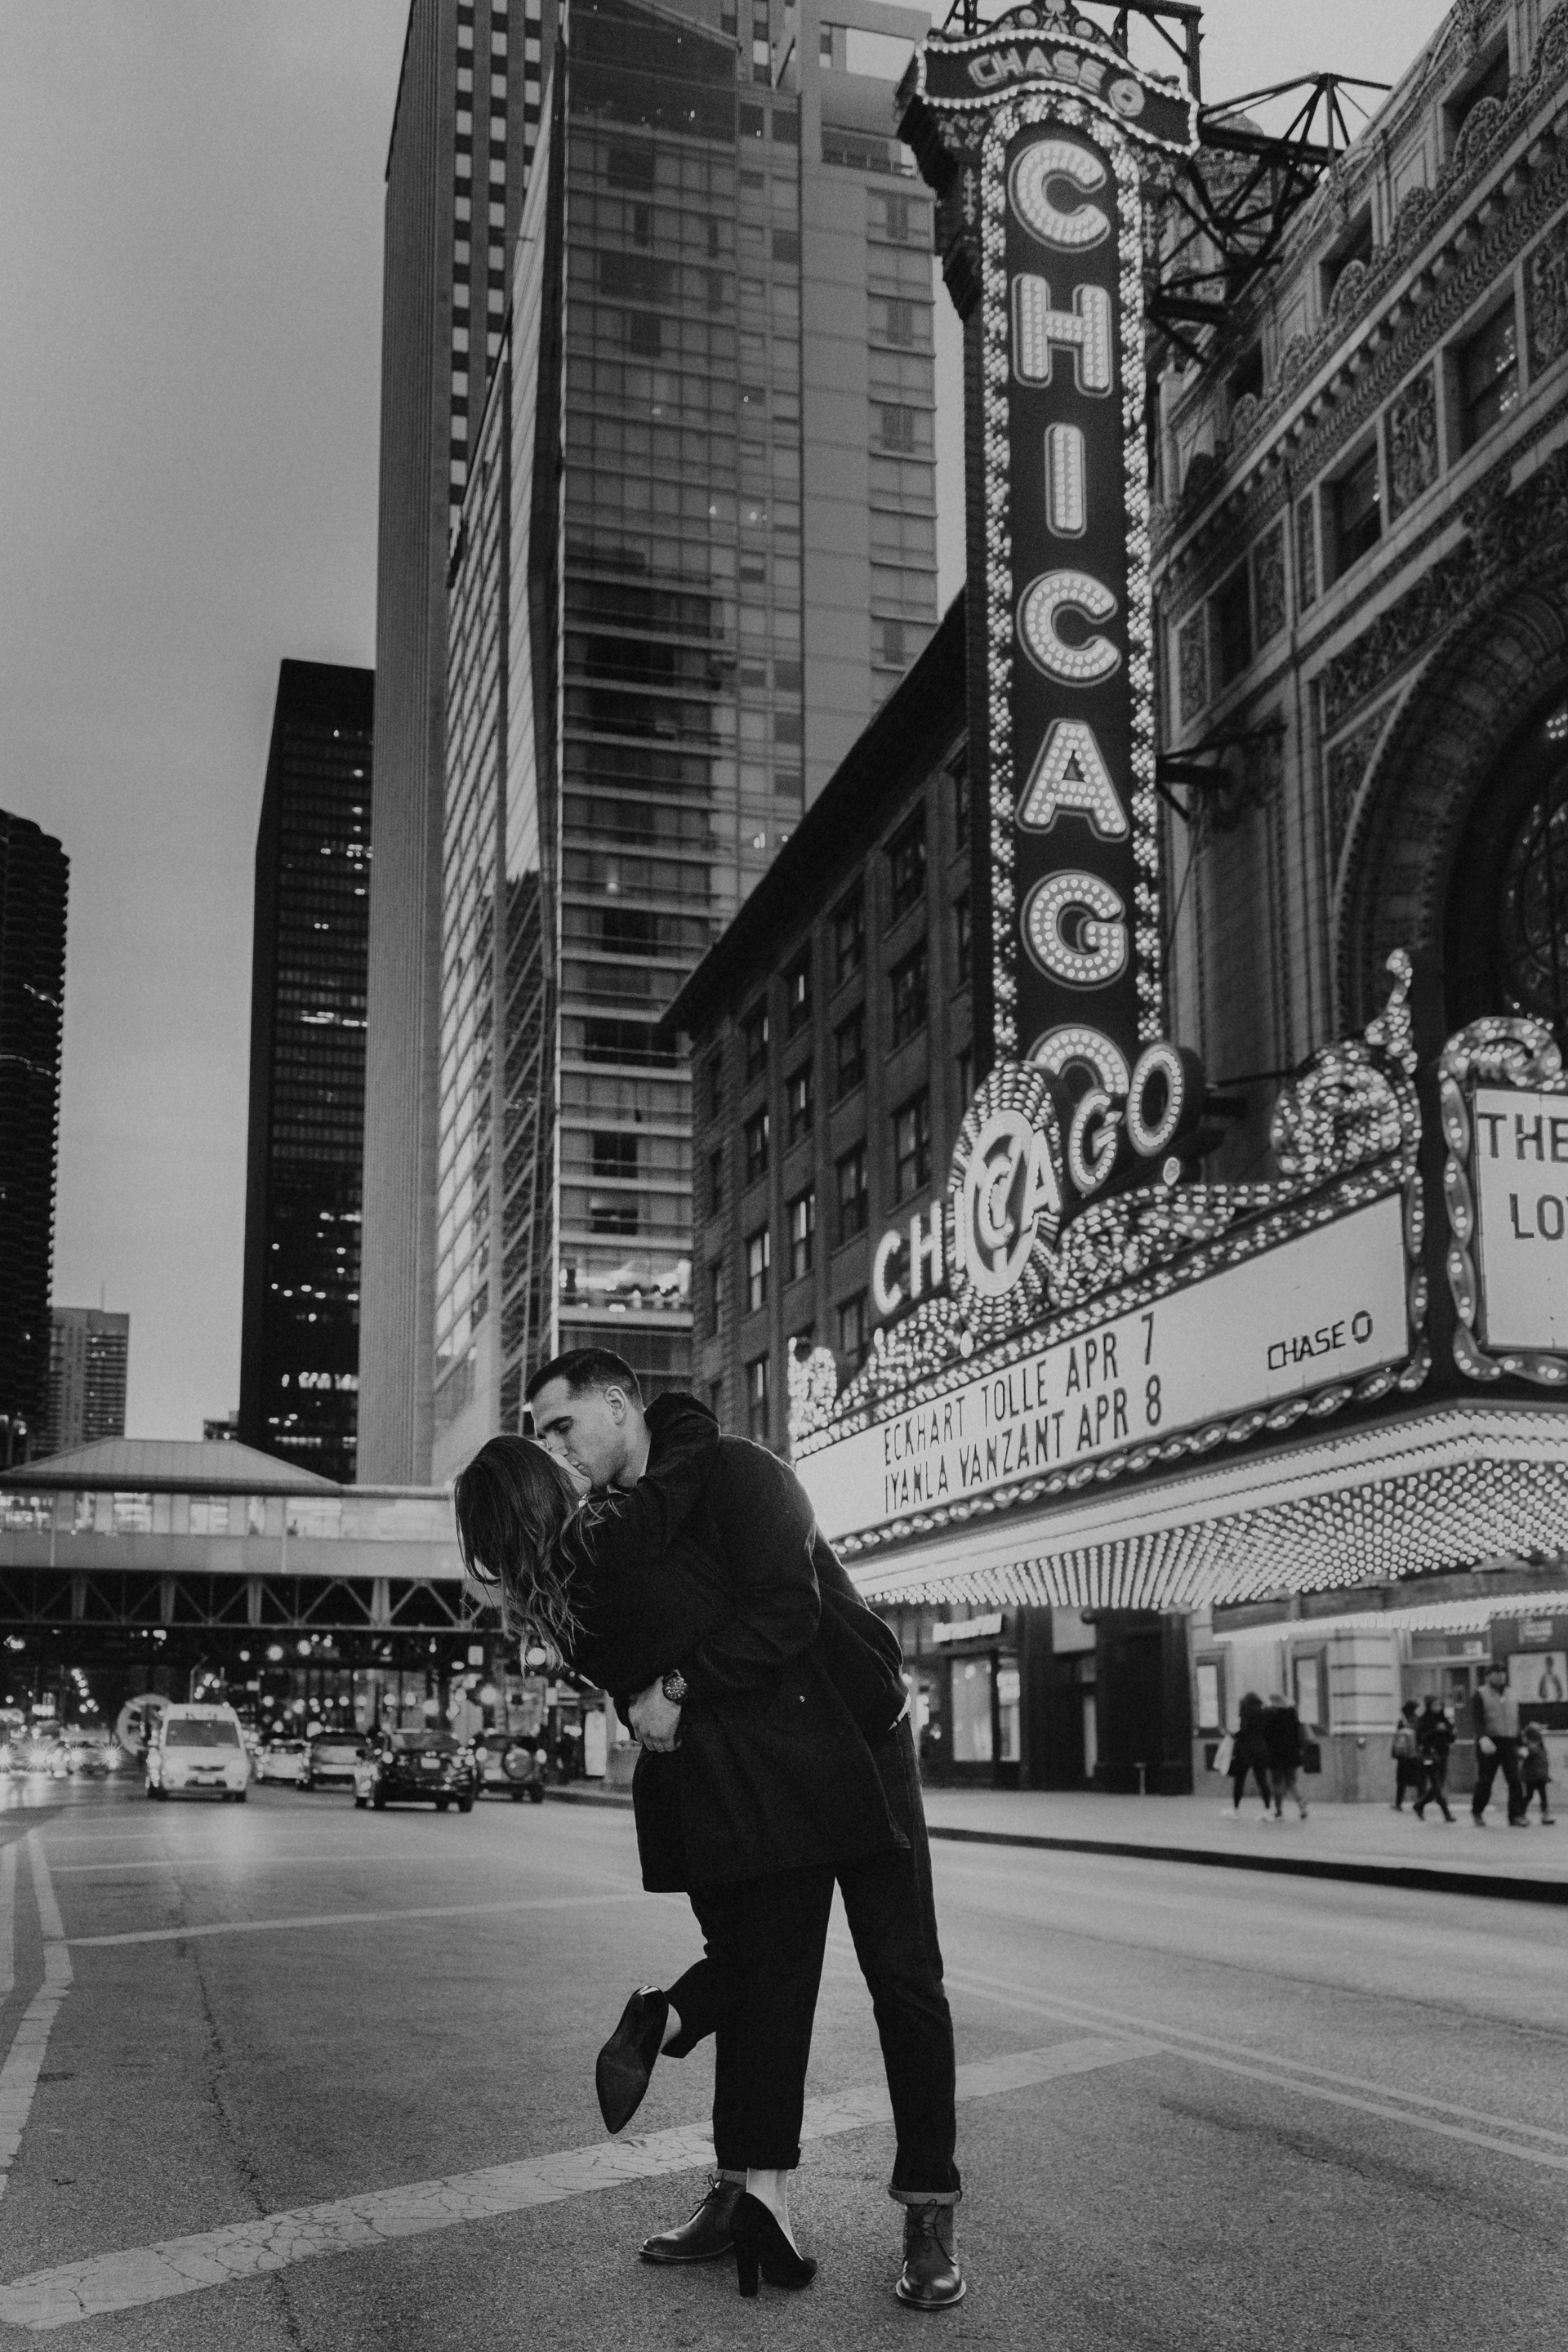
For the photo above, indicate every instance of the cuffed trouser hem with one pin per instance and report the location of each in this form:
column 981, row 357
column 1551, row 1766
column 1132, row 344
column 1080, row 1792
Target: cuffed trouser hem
column 770, row 2161
column 926, row 2196
column 738, row 2179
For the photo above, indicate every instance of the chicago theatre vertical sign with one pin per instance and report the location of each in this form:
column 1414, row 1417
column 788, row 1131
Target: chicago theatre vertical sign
column 1036, row 136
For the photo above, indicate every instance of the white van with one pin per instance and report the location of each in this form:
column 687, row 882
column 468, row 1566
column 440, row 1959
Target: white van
column 198, row 1747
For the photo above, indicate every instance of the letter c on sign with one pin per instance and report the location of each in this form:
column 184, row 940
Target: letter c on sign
column 1073, row 231
column 1045, row 599
column 887, row 1296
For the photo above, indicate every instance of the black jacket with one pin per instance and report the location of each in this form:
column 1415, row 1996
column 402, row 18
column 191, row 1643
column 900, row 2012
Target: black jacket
column 1282, row 1739
column 713, row 1563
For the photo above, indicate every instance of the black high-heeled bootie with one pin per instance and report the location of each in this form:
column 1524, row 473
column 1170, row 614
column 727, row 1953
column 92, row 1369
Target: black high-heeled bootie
column 760, row 2245
column 626, row 2061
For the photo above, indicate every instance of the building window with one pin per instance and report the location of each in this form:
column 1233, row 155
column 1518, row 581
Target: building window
column 907, row 984
column 911, row 1147
column 756, row 1135
column 797, row 996
column 848, row 938
column 715, row 1183
column 1492, row 81
column 854, row 1337
column 1232, row 610
column 759, row 1258
column 715, row 1298
column 754, row 1042
column 849, row 1054
column 798, row 1103
column 1246, row 376
column 961, row 803
column 854, row 1195
column 1488, row 377
column 716, row 1399
column 1358, row 511
column 801, row 1232
column 963, row 939
column 715, row 1090
column 757, row 1400
column 965, row 1078
column 907, row 869
column 614, row 1155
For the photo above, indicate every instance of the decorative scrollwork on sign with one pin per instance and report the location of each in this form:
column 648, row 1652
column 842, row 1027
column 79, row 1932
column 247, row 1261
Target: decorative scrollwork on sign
column 1348, row 1107
column 813, row 1387
column 1510, row 1052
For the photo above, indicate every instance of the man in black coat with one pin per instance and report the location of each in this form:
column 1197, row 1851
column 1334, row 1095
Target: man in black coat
column 799, row 1632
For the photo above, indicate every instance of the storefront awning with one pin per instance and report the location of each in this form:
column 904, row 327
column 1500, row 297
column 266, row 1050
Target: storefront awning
column 1446, row 1486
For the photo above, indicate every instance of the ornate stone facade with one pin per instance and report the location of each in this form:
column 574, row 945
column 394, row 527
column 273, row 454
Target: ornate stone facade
column 1399, row 663
column 1412, row 438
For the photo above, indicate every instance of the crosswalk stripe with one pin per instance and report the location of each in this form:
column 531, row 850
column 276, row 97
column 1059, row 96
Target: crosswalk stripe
column 143, row 2274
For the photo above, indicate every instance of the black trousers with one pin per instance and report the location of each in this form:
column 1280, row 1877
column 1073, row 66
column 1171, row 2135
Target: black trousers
column 756, row 1990
column 1504, row 1758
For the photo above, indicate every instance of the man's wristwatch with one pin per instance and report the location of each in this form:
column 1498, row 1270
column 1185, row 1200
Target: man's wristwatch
column 674, row 1686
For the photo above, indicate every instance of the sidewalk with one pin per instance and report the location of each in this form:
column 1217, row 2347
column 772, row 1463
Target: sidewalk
column 1371, row 1843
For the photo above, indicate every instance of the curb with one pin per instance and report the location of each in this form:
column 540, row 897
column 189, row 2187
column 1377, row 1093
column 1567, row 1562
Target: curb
column 1417, row 1877
column 581, row 1796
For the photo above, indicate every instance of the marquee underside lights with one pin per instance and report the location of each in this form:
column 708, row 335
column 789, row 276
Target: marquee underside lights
column 1442, row 1489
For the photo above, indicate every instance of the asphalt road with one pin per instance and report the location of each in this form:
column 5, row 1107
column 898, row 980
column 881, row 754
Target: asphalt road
column 291, row 2076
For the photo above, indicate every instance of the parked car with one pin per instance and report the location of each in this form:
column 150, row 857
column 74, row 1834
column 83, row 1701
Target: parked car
column 511, row 1766
column 330, row 1758
column 197, row 1747
column 283, row 1760
column 414, row 1767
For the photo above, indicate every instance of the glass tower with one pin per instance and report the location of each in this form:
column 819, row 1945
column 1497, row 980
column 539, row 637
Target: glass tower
column 33, row 877
column 299, row 1333
column 720, row 394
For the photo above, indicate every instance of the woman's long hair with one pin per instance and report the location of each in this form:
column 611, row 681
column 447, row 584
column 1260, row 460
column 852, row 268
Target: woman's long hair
column 511, row 1502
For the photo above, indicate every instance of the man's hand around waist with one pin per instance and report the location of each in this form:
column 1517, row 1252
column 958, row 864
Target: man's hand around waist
column 655, row 1719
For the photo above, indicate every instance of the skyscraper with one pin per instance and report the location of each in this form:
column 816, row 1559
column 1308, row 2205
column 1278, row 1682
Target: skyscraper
column 717, row 465
column 89, row 1359
column 300, row 1339
column 34, row 873
column 464, row 126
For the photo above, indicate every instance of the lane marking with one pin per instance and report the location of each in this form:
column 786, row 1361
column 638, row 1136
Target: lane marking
column 25, row 2059
column 1289, row 2074
column 350, row 1919
column 7, row 1921
column 143, row 2274
column 249, row 1862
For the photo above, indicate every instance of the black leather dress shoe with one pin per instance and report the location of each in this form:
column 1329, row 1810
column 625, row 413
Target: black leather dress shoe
column 930, row 2278
column 708, row 2233
column 626, row 2060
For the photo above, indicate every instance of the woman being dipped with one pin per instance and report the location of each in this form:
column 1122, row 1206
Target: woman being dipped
column 622, row 1589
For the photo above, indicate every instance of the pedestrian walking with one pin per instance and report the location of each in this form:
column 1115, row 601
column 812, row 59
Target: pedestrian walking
column 1535, row 1770
column 1405, row 1751
column 776, row 1759
column 1249, row 1755
column 1284, row 1744
column 1497, row 1748
column 1433, row 1740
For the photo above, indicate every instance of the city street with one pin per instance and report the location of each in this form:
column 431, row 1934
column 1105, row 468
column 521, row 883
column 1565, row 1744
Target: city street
column 299, row 2076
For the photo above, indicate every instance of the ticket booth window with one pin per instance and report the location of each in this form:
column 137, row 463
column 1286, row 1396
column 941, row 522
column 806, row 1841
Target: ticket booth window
column 1009, row 1709
column 1210, row 1707
column 1312, row 1697
column 971, row 1739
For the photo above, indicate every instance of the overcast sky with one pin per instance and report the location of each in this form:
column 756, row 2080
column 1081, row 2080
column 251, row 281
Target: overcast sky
column 190, row 280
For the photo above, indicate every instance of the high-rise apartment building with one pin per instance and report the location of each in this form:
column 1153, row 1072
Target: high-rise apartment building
column 698, row 544
column 90, row 1360
column 466, row 121
column 34, row 875
column 298, row 1372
